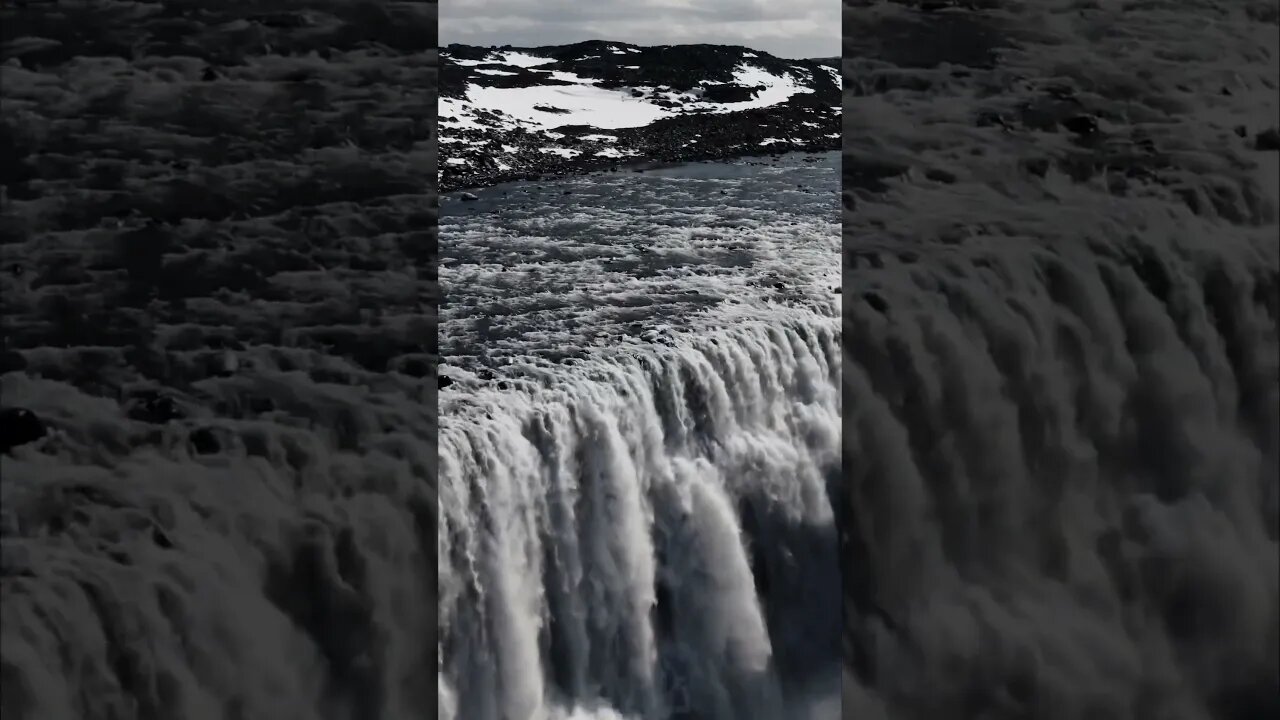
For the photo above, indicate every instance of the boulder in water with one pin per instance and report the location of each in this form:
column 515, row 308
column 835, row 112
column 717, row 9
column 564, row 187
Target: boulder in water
column 876, row 302
column 204, row 441
column 156, row 409
column 19, row 426
column 469, row 197
column 224, row 364
column 12, row 361
column 1083, row 125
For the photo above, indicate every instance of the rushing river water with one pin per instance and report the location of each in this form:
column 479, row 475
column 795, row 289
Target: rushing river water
column 640, row 444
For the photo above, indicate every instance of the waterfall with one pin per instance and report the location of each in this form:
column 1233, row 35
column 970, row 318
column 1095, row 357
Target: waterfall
column 651, row 538
column 1061, row 464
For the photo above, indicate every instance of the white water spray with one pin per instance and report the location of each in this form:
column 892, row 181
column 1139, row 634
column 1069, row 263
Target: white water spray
column 629, row 544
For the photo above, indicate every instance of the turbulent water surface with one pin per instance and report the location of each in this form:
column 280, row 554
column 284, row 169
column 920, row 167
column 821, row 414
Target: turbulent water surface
column 639, row 444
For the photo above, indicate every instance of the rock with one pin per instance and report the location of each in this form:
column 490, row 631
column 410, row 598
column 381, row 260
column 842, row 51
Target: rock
column 1267, row 140
column 224, row 364
column 444, row 381
column 729, row 93
column 1241, row 131
column 1036, row 166
column 940, row 175
column 12, row 361
column 19, row 426
column 468, row 197
column 156, row 409
column 209, row 74
column 282, row 20
column 204, row 441
column 259, row 404
column 159, row 537
column 1083, row 125
column 876, row 302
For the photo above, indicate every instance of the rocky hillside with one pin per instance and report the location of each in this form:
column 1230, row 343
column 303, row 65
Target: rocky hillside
column 508, row 113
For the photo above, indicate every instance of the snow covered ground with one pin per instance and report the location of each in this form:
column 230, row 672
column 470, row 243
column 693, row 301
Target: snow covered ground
column 572, row 101
column 589, row 104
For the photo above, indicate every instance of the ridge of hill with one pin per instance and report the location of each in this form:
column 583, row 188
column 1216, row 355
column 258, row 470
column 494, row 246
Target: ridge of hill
column 510, row 113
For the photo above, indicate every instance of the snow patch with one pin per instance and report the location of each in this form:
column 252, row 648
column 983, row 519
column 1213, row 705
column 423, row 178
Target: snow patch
column 524, row 60
column 587, row 105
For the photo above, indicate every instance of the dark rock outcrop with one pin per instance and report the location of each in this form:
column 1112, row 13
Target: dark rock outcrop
column 729, row 92
column 19, row 426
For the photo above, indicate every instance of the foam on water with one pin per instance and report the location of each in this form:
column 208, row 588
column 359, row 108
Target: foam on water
column 643, row 531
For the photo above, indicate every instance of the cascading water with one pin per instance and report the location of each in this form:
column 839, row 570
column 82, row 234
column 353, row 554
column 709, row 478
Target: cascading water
column 1062, row 379
column 644, row 530
column 1062, row 469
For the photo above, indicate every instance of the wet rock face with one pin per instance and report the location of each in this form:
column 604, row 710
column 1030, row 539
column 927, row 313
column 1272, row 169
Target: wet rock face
column 686, row 92
column 729, row 92
column 19, row 426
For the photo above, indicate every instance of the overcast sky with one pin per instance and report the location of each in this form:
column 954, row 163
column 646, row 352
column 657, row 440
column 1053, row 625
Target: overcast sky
column 793, row 29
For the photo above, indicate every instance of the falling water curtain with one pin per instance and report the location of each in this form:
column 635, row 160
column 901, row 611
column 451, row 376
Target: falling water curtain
column 1061, row 288
column 639, row 388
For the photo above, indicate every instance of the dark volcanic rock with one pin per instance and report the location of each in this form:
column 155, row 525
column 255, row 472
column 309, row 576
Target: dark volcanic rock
column 223, row 364
column 155, row 409
column 204, row 441
column 1267, row 140
column 1081, row 124
column 729, row 92
column 12, row 361
column 19, row 426
column 878, row 303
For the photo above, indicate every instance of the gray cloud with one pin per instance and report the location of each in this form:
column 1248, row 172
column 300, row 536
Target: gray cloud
column 801, row 28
